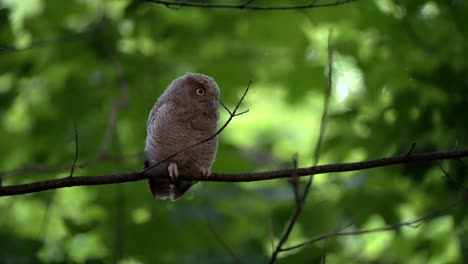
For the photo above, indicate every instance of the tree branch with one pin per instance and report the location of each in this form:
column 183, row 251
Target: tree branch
column 301, row 198
column 413, row 223
column 247, row 5
column 159, row 172
column 222, row 242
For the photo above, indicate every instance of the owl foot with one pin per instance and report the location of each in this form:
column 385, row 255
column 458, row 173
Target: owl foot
column 205, row 172
column 173, row 171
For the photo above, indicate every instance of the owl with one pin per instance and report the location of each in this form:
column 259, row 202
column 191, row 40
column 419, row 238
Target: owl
column 185, row 114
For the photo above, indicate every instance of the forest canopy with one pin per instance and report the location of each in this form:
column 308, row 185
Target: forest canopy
column 86, row 73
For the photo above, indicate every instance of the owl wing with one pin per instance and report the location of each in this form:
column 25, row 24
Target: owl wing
column 160, row 188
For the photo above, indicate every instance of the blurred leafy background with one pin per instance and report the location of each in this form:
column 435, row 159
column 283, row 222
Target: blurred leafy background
column 400, row 77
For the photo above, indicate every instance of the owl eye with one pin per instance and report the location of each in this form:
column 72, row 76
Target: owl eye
column 200, row 91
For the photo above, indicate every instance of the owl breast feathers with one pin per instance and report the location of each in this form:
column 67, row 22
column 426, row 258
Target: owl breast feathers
column 184, row 115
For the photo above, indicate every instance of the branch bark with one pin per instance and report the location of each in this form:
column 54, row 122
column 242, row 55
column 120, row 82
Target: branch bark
column 161, row 172
column 247, row 5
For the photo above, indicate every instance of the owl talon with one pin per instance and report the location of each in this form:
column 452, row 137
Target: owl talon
column 173, row 171
column 205, row 172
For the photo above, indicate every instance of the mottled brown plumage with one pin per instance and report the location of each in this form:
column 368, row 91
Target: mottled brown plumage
column 185, row 114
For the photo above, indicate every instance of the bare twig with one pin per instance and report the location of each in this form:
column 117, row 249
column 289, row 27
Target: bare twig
column 225, row 107
column 43, row 169
column 247, row 5
column 248, row 2
column 325, row 236
column 462, row 162
column 45, row 220
column 298, row 199
column 294, row 180
column 271, row 235
column 219, row 238
column 325, row 247
column 457, row 183
column 411, row 149
column 326, row 100
column 51, row 197
column 76, row 152
column 301, row 198
column 117, row 105
column 413, row 223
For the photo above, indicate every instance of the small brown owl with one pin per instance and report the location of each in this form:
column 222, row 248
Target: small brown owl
column 185, row 114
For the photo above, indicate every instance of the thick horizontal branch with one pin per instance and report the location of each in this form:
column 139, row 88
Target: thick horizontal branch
column 161, row 172
column 246, row 5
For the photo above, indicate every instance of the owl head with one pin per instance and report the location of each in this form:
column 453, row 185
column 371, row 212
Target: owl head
column 195, row 90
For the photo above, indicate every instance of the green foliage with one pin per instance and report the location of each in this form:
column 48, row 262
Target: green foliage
column 400, row 76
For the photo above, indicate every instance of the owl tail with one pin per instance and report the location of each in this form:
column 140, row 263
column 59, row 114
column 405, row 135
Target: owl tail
column 160, row 188
column 179, row 188
column 164, row 188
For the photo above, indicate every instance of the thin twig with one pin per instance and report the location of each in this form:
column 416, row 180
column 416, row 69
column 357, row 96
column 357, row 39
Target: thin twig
column 326, row 100
column 225, row 107
column 326, row 236
column 220, row 239
column 117, row 105
column 462, row 162
column 248, row 2
column 245, row 5
column 50, row 198
column 323, row 120
column 295, row 181
column 411, row 149
column 42, row 169
column 457, row 183
column 456, row 144
column 271, row 235
column 413, row 223
column 325, row 247
column 300, row 199
column 76, row 152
